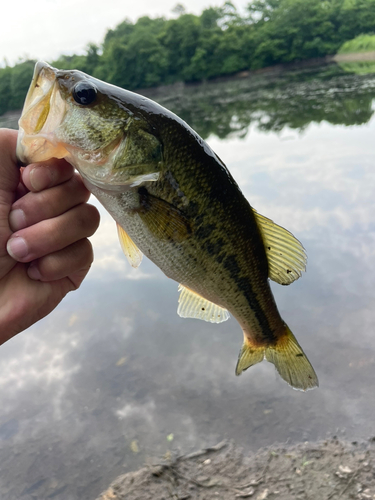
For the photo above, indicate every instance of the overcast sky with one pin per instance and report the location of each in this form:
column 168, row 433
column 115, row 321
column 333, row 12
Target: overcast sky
column 44, row 29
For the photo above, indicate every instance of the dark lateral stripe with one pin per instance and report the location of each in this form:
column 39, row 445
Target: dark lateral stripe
column 244, row 286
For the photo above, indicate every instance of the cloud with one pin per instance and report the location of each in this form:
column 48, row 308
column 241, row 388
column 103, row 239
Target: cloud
column 56, row 28
column 312, row 181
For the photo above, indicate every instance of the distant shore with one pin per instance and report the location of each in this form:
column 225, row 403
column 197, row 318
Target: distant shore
column 354, row 57
column 268, row 70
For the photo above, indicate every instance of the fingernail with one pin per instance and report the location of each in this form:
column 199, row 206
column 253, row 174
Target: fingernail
column 17, row 219
column 17, row 248
column 33, row 271
column 40, row 178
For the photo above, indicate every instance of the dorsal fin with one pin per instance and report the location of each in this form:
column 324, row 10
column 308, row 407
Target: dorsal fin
column 192, row 305
column 130, row 249
column 286, row 255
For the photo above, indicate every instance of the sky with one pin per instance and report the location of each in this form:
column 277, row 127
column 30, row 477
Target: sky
column 48, row 28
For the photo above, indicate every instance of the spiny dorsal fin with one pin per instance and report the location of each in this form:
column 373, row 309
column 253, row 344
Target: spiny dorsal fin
column 286, row 255
column 130, row 249
column 192, row 305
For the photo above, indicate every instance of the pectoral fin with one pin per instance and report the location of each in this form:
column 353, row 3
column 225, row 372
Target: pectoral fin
column 163, row 219
column 192, row 305
column 130, row 249
column 286, row 255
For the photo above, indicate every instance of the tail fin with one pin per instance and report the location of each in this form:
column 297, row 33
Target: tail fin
column 288, row 357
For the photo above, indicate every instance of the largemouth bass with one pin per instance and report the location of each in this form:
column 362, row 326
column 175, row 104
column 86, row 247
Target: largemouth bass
column 174, row 201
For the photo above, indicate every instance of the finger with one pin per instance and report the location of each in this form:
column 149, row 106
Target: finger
column 8, row 163
column 52, row 235
column 35, row 207
column 9, row 174
column 21, row 190
column 72, row 260
column 43, row 175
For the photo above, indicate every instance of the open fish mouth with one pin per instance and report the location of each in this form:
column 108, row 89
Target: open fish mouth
column 43, row 112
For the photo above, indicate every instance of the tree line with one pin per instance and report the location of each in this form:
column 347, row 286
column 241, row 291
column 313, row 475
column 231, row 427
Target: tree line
column 218, row 42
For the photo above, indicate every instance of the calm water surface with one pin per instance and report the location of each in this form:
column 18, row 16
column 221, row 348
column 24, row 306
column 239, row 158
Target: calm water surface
column 97, row 388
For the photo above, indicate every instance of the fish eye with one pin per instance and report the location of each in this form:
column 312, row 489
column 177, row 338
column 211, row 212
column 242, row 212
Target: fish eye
column 84, row 93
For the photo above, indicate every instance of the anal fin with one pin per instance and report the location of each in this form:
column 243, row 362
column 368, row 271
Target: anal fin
column 192, row 305
column 130, row 249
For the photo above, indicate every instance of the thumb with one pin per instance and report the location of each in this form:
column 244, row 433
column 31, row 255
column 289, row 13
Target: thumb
column 9, row 171
column 9, row 180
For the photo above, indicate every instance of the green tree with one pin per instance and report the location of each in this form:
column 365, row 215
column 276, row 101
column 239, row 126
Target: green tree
column 354, row 17
column 5, row 89
column 21, row 76
column 92, row 58
column 135, row 58
column 179, row 39
column 290, row 30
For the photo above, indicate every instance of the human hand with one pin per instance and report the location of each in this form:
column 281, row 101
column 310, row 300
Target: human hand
column 44, row 225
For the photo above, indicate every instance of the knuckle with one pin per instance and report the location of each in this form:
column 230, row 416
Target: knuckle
column 86, row 219
column 80, row 256
column 77, row 278
column 90, row 218
column 87, row 253
column 74, row 260
column 78, row 189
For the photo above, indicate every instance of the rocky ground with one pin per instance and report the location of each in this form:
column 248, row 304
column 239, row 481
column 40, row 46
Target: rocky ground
column 321, row 471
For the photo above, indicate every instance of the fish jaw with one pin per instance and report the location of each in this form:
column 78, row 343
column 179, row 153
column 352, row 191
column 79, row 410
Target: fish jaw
column 43, row 111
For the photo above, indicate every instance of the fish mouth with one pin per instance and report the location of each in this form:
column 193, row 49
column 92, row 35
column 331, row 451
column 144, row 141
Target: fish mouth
column 43, row 112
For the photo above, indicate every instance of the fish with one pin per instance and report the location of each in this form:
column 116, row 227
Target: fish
column 175, row 202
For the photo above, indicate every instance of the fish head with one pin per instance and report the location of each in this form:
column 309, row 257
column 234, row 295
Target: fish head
column 71, row 115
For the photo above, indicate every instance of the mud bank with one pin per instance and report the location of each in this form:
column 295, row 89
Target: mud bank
column 315, row 471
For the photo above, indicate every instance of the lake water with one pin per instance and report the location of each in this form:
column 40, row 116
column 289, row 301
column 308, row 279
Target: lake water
column 113, row 378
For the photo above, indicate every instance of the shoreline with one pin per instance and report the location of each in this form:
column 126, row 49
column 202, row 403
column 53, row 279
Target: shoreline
column 355, row 57
column 330, row 469
column 273, row 71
